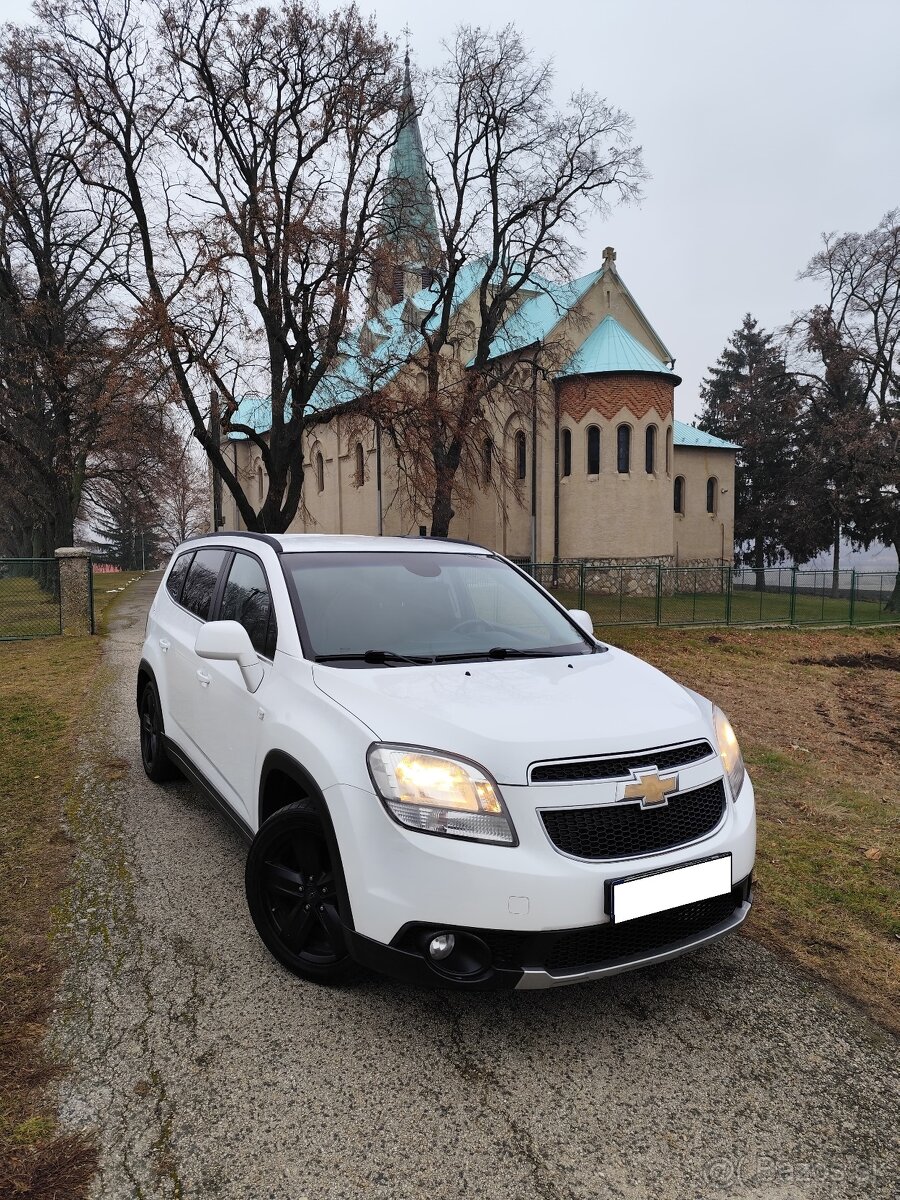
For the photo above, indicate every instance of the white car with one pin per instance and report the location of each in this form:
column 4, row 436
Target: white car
column 443, row 775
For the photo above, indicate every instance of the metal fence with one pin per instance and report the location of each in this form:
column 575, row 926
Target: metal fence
column 722, row 595
column 29, row 598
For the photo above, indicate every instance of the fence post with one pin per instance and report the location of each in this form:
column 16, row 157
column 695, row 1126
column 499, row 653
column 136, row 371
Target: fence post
column 581, row 585
column 793, row 608
column 659, row 593
column 75, row 590
column 852, row 595
column 728, row 585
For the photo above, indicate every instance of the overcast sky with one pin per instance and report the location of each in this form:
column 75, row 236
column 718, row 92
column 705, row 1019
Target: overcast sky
column 763, row 122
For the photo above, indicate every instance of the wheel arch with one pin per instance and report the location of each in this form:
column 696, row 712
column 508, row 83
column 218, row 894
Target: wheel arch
column 283, row 780
column 145, row 675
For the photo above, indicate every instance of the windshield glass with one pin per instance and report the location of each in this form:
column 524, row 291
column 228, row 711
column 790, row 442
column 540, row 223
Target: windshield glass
column 424, row 606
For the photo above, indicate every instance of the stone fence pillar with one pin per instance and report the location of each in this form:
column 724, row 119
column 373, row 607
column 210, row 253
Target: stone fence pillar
column 76, row 601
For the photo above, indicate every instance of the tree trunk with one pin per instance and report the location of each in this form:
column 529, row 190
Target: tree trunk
column 836, row 563
column 759, row 565
column 442, row 507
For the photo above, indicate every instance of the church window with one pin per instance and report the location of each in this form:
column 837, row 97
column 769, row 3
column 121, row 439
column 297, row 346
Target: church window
column 679, row 494
column 712, row 494
column 487, row 460
column 567, row 452
column 650, row 450
column 593, row 450
column 360, row 465
column 521, row 456
column 260, row 483
column 320, row 473
column 623, row 449
column 397, row 285
column 669, row 450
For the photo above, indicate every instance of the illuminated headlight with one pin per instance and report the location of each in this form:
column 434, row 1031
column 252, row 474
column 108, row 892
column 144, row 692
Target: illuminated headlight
column 435, row 794
column 729, row 751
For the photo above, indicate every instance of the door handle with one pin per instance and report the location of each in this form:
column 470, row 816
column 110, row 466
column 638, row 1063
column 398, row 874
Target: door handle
column 164, row 645
column 205, row 680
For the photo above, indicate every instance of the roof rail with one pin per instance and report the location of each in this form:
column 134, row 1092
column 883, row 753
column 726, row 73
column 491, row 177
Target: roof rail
column 436, row 537
column 241, row 533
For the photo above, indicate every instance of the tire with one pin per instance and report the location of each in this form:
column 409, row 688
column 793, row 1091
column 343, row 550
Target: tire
column 157, row 764
column 291, row 893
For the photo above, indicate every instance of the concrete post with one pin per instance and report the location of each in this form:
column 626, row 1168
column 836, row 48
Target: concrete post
column 75, row 590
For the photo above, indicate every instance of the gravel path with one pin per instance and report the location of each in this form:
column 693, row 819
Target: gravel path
column 207, row 1071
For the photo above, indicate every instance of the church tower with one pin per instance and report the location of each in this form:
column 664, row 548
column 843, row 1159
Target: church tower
column 409, row 248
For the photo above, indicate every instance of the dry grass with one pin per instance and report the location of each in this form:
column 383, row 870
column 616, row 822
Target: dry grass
column 818, row 715
column 43, row 685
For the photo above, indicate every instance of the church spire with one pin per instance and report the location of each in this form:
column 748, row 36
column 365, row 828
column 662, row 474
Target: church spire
column 410, row 243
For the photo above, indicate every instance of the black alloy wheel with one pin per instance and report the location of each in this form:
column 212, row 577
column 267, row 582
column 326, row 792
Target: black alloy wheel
column 157, row 763
column 292, row 895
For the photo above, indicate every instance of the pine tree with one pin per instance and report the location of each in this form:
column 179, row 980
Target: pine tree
column 750, row 398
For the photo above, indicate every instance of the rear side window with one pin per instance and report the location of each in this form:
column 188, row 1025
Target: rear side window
column 200, row 583
column 175, row 578
column 247, row 600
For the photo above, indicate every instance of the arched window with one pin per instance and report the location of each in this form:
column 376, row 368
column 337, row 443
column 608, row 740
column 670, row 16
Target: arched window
column 712, row 494
column 566, row 452
column 260, row 483
column 669, row 450
column 360, row 465
column 593, row 450
column 650, row 450
column 521, row 456
column 679, row 494
column 623, row 449
column 487, row 460
column 320, row 473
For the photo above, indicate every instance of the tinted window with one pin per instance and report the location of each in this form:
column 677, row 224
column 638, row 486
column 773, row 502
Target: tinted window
column 175, row 578
column 246, row 599
column 424, row 604
column 197, row 593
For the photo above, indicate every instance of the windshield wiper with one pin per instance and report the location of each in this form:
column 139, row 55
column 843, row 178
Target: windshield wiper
column 499, row 652
column 375, row 657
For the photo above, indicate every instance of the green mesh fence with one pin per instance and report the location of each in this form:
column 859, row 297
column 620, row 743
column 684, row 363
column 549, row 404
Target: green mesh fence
column 29, row 598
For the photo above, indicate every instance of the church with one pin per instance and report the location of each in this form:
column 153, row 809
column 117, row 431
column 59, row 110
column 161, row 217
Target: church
column 589, row 463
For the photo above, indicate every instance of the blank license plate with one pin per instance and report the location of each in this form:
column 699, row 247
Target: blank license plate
column 646, row 894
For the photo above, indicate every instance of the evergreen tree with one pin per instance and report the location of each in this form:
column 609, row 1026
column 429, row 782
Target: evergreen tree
column 128, row 523
column 750, row 398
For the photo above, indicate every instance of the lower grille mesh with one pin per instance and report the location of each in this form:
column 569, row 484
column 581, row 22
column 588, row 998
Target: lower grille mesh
column 612, row 831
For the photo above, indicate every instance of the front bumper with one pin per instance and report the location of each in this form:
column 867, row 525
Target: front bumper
column 553, row 958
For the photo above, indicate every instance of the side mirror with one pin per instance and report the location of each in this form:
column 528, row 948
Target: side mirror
column 583, row 620
column 229, row 641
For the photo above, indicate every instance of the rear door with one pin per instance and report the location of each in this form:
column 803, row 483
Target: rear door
column 228, row 715
column 188, row 675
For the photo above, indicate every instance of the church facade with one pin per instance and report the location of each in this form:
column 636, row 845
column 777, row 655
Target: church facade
column 586, row 461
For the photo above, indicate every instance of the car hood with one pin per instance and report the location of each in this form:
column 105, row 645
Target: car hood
column 509, row 714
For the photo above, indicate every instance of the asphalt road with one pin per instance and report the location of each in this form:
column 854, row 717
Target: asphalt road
column 208, row 1071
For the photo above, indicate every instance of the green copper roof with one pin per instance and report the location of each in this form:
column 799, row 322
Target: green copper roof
column 408, row 207
column 541, row 313
column 612, row 348
column 687, row 435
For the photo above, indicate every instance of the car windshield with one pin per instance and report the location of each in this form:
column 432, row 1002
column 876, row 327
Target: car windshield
column 386, row 608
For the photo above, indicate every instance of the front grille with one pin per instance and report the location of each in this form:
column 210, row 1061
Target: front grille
column 585, row 770
column 583, row 949
column 624, row 830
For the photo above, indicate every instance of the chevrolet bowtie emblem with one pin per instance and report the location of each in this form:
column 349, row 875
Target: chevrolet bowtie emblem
column 649, row 788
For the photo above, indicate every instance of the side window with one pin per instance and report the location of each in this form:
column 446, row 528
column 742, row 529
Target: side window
column 175, row 578
column 203, row 573
column 246, row 599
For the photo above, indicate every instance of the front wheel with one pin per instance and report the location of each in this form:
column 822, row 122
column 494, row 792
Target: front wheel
column 292, row 895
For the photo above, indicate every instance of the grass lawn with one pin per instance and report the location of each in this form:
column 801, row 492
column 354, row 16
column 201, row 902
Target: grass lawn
column 818, row 716
column 26, row 610
column 45, row 686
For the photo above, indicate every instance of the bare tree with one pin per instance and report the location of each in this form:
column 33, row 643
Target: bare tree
column 183, row 493
column 862, row 274
column 514, row 176
column 59, row 345
column 248, row 147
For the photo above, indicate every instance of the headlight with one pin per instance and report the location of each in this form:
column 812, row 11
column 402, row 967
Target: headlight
column 729, row 751
column 435, row 794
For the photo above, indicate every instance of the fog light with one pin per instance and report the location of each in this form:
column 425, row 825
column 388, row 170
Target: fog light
column 441, row 946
